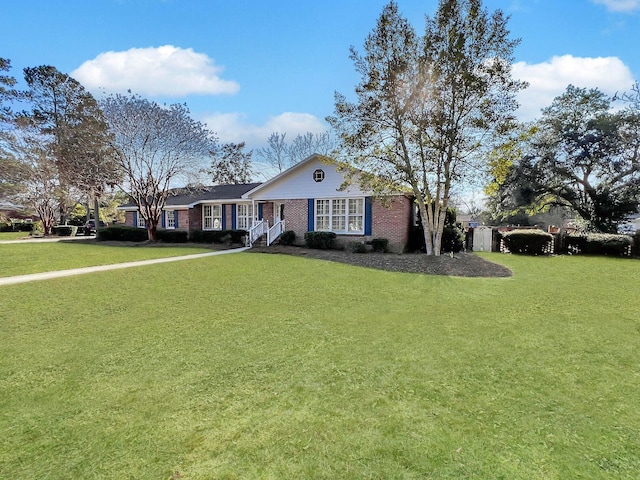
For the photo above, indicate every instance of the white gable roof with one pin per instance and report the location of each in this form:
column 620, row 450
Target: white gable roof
column 298, row 182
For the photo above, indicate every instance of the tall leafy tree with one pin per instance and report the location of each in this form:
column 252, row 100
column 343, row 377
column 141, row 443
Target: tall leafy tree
column 8, row 92
column 12, row 172
column 231, row 164
column 75, row 126
column 155, row 147
column 584, row 156
column 427, row 107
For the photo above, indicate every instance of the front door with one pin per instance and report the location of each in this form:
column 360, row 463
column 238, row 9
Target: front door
column 278, row 212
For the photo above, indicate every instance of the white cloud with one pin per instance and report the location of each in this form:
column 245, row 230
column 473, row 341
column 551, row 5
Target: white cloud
column 165, row 70
column 549, row 79
column 233, row 127
column 619, row 5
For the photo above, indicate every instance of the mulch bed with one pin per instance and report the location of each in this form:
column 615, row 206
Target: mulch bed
column 461, row 265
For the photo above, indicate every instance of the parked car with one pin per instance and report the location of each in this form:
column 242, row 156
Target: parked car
column 90, row 227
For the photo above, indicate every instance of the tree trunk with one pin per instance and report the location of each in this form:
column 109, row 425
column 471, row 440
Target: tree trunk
column 152, row 231
column 96, row 210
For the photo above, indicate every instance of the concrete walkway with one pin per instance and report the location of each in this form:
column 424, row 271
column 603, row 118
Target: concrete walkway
column 103, row 268
column 46, row 239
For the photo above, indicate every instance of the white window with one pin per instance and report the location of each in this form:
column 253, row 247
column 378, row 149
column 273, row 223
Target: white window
column 243, row 216
column 323, row 215
column 170, row 219
column 212, row 217
column 340, row 215
column 356, row 215
column 140, row 222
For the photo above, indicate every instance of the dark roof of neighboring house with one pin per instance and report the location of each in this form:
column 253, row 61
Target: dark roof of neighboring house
column 184, row 196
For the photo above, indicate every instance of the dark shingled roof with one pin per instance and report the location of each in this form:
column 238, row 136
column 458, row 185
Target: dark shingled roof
column 184, row 196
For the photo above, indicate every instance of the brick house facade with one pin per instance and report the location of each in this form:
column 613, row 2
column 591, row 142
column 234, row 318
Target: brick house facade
column 307, row 197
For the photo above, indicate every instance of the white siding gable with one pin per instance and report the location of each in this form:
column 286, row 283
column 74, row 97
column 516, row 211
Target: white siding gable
column 299, row 183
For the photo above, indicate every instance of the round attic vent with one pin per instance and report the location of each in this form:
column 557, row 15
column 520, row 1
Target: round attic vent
column 318, row 175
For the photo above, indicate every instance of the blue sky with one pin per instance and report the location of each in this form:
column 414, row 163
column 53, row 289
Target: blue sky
column 251, row 67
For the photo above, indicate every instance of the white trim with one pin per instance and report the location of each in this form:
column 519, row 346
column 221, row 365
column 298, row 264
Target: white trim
column 173, row 219
column 140, row 221
column 345, row 216
column 248, row 217
column 214, row 202
column 214, row 218
column 290, row 170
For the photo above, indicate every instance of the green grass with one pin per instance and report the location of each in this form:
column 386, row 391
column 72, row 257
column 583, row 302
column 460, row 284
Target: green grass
column 7, row 236
column 22, row 259
column 271, row 367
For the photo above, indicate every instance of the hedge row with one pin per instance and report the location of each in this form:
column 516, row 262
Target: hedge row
column 537, row 242
column 529, row 241
column 17, row 227
column 122, row 233
column 64, row 230
column 598, row 244
column 218, row 236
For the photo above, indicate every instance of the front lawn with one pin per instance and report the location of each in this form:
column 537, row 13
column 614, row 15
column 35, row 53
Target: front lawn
column 32, row 257
column 8, row 236
column 268, row 366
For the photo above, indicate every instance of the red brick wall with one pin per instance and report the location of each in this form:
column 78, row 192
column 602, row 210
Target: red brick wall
column 128, row 219
column 267, row 212
column 296, row 218
column 195, row 218
column 392, row 222
column 183, row 219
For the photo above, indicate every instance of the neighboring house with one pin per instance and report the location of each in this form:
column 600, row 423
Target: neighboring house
column 304, row 198
column 468, row 221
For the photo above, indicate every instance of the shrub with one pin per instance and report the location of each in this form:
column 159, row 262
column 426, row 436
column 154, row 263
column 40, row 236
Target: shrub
column 217, row 236
column 320, row 240
column 575, row 244
column 357, row 247
column 288, row 237
column 203, row 236
column 530, row 242
column 237, row 236
column 173, row 236
column 24, row 227
column 452, row 239
column 65, row 230
column 599, row 244
column 635, row 250
column 380, row 245
column 6, row 227
column 608, row 244
column 123, row 233
column 452, row 235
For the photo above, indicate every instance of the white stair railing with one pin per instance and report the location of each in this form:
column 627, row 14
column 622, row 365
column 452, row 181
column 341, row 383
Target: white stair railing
column 258, row 229
column 274, row 232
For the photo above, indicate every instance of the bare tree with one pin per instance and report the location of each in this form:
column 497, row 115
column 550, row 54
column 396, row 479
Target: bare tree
column 276, row 154
column 306, row 145
column 231, row 164
column 281, row 155
column 40, row 186
column 155, row 147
